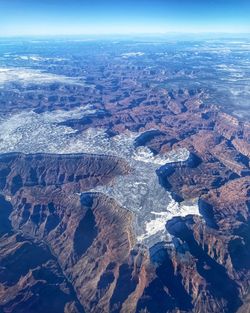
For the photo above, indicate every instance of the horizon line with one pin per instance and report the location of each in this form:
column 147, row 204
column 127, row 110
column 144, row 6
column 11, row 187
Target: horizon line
column 129, row 34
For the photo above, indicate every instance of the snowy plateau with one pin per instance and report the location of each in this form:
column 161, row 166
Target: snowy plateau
column 138, row 192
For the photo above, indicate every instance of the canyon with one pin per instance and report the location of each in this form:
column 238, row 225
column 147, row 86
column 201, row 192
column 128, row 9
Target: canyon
column 117, row 193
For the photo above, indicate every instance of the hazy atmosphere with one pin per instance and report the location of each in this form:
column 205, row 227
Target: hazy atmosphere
column 62, row 17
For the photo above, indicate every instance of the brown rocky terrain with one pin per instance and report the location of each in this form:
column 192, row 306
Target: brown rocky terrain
column 52, row 223
column 77, row 249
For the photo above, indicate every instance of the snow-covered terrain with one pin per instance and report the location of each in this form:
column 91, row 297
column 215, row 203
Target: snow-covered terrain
column 132, row 54
column 139, row 191
column 37, row 58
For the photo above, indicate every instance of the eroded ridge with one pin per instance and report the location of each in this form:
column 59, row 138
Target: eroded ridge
column 139, row 191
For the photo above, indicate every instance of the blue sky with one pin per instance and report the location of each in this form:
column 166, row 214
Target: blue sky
column 66, row 17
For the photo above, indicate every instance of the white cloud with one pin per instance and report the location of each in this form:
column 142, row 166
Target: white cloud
column 26, row 76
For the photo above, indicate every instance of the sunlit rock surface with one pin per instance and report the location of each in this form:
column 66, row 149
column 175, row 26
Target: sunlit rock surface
column 139, row 191
column 101, row 221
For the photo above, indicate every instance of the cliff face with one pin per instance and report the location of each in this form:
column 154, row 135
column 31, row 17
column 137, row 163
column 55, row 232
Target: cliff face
column 56, row 243
column 77, row 172
column 67, row 249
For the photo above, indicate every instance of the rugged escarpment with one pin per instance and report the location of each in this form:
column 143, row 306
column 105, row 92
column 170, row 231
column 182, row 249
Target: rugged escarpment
column 61, row 251
column 211, row 251
column 81, row 245
column 77, row 172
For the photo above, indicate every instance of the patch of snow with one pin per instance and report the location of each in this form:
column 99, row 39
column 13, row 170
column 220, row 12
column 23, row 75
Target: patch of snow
column 139, row 191
column 132, row 54
column 144, row 154
column 30, row 132
column 157, row 225
column 37, row 58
